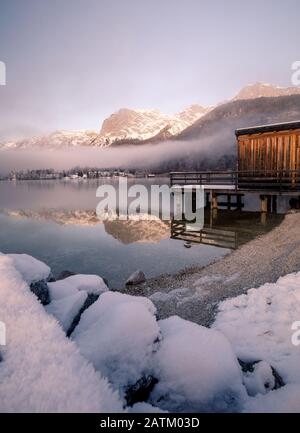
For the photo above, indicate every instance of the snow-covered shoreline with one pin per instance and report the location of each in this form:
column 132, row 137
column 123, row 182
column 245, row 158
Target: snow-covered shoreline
column 120, row 357
column 195, row 293
column 42, row 370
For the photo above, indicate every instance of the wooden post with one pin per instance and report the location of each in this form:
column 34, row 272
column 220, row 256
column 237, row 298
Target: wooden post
column 264, row 203
column 263, row 218
column 214, row 204
column 214, row 200
column 263, row 208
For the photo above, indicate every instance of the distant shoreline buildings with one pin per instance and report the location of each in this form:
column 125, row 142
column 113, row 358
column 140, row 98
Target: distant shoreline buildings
column 76, row 173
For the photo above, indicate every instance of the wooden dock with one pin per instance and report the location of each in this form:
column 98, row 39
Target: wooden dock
column 270, row 181
column 234, row 184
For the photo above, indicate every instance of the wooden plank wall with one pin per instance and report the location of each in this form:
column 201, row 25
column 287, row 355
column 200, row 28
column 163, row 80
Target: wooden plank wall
column 278, row 151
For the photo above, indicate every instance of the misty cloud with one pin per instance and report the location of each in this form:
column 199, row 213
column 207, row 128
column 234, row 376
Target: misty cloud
column 139, row 156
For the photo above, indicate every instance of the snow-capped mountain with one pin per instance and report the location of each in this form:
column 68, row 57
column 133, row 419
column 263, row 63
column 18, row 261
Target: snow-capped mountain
column 130, row 125
column 259, row 90
column 56, row 140
column 124, row 125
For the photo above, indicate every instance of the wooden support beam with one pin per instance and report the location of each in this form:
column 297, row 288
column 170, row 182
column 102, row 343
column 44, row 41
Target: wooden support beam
column 264, row 203
column 214, row 200
column 214, row 204
column 263, row 218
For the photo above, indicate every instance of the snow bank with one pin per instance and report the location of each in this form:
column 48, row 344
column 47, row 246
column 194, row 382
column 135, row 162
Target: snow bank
column 258, row 325
column 196, row 368
column 118, row 334
column 283, row 400
column 145, row 408
column 31, row 269
column 42, row 371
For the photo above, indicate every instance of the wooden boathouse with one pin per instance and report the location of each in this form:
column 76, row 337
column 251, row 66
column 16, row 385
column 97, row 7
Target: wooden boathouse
column 268, row 163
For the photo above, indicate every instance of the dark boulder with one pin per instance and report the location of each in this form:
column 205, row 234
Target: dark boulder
column 65, row 274
column 137, row 277
column 51, row 278
column 41, row 291
column 248, row 367
column 141, row 390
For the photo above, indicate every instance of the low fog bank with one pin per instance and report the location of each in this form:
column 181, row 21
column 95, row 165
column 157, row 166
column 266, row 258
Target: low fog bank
column 164, row 156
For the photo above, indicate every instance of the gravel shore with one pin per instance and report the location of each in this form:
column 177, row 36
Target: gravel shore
column 194, row 293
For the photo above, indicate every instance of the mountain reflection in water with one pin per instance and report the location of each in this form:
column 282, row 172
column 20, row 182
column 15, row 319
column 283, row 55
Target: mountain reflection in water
column 229, row 229
column 56, row 222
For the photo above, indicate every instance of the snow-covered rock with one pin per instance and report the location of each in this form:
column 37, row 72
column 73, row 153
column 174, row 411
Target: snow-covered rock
column 169, row 365
column 261, row 380
column 67, row 308
column 118, row 334
column 258, row 324
column 88, row 283
column 42, row 370
column 197, row 370
column 136, row 278
column 69, row 298
column 31, row 269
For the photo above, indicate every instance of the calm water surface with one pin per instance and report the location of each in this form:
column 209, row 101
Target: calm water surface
column 55, row 222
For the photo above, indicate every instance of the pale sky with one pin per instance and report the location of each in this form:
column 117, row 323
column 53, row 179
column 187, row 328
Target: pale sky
column 71, row 63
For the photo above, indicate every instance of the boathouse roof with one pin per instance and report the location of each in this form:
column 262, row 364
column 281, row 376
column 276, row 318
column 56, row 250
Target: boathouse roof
column 275, row 127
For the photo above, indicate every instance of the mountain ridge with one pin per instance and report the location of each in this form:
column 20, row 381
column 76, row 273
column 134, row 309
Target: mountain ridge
column 142, row 126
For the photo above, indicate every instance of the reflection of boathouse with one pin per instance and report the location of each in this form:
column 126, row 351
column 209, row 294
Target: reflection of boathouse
column 226, row 230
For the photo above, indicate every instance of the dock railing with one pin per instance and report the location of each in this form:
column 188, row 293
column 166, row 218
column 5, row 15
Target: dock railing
column 268, row 180
column 227, row 178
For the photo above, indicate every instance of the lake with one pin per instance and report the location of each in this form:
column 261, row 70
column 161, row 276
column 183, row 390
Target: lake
column 55, row 221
